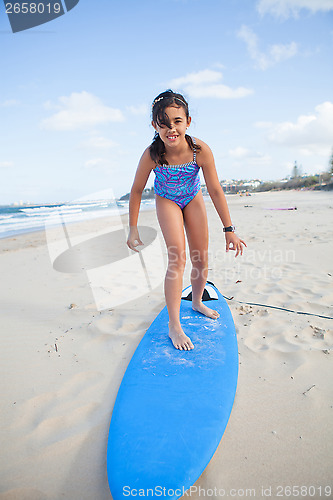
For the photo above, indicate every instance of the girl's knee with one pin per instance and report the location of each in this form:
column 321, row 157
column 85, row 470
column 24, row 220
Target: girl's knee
column 177, row 258
column 199, row 259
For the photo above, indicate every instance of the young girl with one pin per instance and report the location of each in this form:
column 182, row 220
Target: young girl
column 176, row 158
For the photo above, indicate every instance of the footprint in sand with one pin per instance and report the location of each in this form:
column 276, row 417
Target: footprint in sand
column 55, row 416
column 287, row 337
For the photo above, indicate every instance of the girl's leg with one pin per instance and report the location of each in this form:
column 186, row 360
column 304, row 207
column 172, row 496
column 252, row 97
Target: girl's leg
column 171, row 221
column 196, row 225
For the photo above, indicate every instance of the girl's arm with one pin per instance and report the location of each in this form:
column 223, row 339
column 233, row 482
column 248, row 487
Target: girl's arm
column 214, row 188
column 145, row 166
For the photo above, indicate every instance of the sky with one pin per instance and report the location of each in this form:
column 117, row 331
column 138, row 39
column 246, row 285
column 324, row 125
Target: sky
column 76, row 92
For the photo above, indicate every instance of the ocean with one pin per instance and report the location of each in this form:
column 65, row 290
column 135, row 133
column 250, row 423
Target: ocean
column 20, row 219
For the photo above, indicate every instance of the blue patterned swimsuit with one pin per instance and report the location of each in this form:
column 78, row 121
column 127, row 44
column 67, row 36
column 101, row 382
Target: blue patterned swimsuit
column 179, row 183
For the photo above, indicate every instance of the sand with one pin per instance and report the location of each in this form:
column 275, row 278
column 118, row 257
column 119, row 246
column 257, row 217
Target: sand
column 64, row 352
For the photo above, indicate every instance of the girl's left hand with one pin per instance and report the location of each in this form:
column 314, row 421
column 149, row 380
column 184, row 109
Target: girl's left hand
column 234, row 243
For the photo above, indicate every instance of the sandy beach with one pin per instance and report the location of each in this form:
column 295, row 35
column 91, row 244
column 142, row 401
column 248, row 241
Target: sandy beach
column 64, row 350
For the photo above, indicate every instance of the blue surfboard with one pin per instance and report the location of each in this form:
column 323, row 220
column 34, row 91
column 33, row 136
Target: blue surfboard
column 173, row 406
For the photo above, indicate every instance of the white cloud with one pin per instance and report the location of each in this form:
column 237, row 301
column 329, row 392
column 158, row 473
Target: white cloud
column 9, row 103
column 288, row 8
column 275, row 53
column 206, row 76
column 78, row 111
column 99, row 142
column 207, row 83
column 281, row 52
column 6, row 164
column 244, row 155
column 95, row 162
column 309, row 134
column 238, row 152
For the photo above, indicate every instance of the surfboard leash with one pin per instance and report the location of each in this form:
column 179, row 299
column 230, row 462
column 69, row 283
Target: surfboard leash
column 279, row 308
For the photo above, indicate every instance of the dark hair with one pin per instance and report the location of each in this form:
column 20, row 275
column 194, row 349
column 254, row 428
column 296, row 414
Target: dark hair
column 159, row 116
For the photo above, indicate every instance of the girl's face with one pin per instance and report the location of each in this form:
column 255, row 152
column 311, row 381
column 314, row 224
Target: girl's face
column 174, row 135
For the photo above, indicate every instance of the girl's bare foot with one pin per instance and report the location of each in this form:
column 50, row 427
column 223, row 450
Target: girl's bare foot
column 179, row 339
column 210, row 313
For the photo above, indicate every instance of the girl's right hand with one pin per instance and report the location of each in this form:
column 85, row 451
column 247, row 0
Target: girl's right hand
column 133, row 239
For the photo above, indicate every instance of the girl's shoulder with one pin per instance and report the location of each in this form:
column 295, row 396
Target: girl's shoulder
column 198, row 142
column 146, row 159
column 204, row 152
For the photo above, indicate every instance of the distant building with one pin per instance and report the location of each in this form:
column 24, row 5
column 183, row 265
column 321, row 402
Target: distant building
column 235, row 186
column 251, row 184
